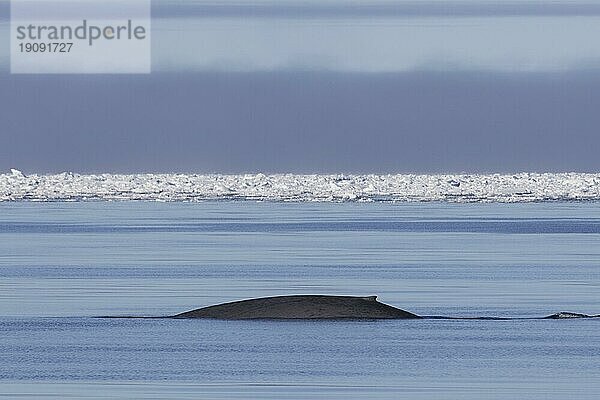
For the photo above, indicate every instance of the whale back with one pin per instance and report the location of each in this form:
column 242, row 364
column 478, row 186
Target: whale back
column 301, row 307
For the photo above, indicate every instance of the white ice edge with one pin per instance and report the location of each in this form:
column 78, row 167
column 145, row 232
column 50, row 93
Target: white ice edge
column 505, row 188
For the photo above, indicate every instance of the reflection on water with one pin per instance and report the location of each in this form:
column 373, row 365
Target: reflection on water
column 84, row 259
column 62, row 263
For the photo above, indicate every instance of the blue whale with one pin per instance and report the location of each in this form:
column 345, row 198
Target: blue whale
column 321, row 307
column 325, row 307
column 302, row 307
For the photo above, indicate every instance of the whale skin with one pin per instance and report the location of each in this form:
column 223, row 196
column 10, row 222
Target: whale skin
column 301, row 307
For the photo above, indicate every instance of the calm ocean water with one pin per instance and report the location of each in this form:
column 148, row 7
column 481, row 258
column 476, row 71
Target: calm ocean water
column 63, row 263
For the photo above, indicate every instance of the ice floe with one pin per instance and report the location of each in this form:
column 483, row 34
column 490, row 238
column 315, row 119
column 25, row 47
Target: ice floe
column 521, row 187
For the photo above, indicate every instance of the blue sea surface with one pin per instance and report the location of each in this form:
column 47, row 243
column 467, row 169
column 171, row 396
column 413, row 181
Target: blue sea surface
column 62, row 264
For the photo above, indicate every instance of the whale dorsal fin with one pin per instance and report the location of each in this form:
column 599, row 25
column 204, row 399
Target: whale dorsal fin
column 370, row 298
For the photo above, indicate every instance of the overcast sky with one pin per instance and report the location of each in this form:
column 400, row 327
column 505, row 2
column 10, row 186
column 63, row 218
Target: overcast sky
column 473, row 86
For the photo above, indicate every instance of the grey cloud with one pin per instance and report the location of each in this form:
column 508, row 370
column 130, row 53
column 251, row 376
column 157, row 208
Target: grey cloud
column 278, row 9
column 307, row 10
column 301, row 122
